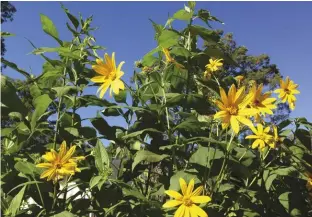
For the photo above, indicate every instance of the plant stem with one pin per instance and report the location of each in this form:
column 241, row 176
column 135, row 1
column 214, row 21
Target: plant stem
column 54, row 197
column 225, row 160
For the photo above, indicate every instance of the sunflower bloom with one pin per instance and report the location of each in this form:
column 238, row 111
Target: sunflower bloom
column 233, row 108
column 214, row 65
column 60, row 165
column 187, row 200
column 169, row 58
column 108, row 75
column 276, row 139
column 262, row 102
column 287, row 92
column 261, row 136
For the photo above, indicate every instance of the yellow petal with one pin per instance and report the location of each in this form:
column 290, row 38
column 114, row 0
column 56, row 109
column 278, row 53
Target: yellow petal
column 119, row 74
column 62, row 150
column 197, row 191
column 221, row 114
column 50, row 156
column 199, row 211
column 117, row 85
column 252, row 137
column 47, row 173
column 187, row 212
column 244, row 120
column 190, row 187
column 98, row 79
column 223, row 97
column 180, row 211
column 172, row 203
column 44, row 165
column 255, row 144
column 231, row 94
column 68, row 155
column 108, row 61
column 234, row 124
column 200, row 199
column 183, row 186
column 101, row 69
column 174, row 194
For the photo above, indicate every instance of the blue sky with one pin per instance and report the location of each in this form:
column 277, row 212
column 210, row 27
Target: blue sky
column 283, row 30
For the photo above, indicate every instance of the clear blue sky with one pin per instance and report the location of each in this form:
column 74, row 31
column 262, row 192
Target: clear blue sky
column 283, row 30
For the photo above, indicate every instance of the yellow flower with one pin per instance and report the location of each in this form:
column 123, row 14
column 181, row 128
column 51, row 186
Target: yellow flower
column 261, row 101
column 109, row 75
column 262, row 137
column 287, row 92
column 169, row 59
column 275, row 139
column 239, row 79
column 187, row 200
column 214, row 65
column 233, row 108
column 60, row 165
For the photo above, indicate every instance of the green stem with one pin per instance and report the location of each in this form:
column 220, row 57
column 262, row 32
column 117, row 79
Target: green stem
column 54, row 198
column 225, row 160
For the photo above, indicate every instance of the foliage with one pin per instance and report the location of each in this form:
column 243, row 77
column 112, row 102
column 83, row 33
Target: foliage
column 170, row 133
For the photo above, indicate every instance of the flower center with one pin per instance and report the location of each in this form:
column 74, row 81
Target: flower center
column 187, row 201
column 287, row 90
column 58, row 166
column 112, row 76
column 233, row 110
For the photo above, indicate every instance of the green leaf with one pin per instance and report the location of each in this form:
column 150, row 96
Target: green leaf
column 41, row 103
column 104, row 128
column 64, row 214
column 101, row 156
column 92, row 100
column 148, row 156
column 191, row 4
column 49, row 27
column 183, row 15
column 304, row 137
column 112, row 112
column 284, row 200
column 203, row 154
column 190, row 125
column 121, row 97
column 269, row 181
column 6, row 34
column 15, row 67
column 61, row 91
column 206, row 34
column 16, row 202
column 168, row 38
column 62, row 51
column 72, row 18
column 10, row 102
column 95, row 180
column 25, row 167
column 149, row 59
column 134, row 134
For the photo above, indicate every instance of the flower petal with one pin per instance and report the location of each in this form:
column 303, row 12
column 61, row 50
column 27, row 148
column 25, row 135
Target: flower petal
column 172, row 203
column 198, row 191
column 104, row 88
column 47, row 173
column 200, row 199
column 199, row 211
column 234, row 124
column 174, row 194
column 44, row 165
column 183, row 186
column 98, row 79
column 68, row 155
column 190, row 187
column 50, row 156
column 180, row 211
column 62, row 150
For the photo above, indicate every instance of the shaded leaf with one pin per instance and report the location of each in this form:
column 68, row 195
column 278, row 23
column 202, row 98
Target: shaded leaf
column 148, row 156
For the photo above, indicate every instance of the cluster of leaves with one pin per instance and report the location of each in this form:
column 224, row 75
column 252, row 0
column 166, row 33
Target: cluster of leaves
column 169, row 132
